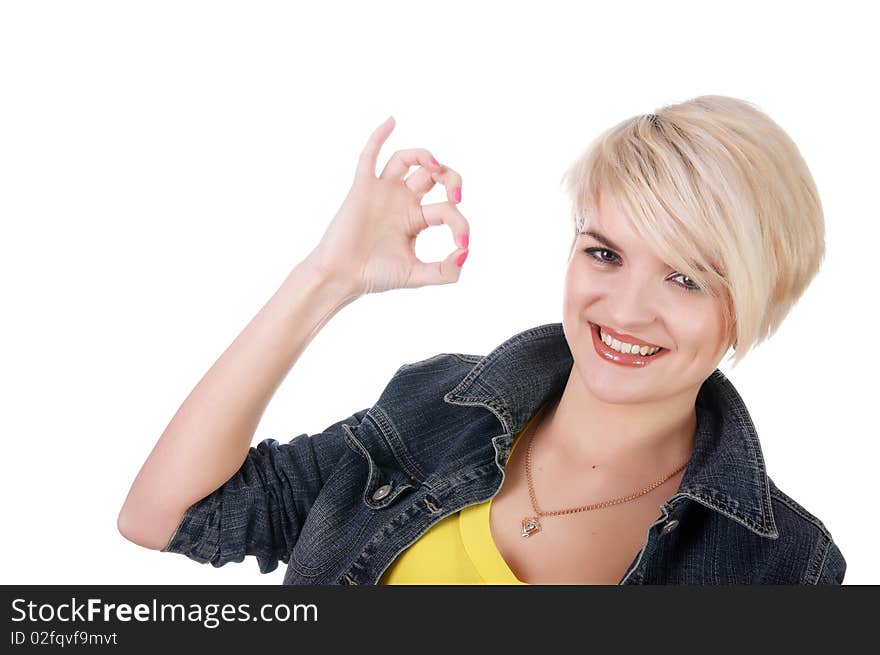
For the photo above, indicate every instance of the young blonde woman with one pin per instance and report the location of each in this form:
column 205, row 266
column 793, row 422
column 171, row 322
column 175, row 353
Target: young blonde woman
column 605, row 449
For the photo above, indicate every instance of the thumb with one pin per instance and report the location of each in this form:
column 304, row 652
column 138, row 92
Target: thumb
column 445, row 272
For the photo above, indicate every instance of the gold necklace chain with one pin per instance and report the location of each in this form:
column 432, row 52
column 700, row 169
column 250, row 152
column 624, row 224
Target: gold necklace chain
column 532, row 524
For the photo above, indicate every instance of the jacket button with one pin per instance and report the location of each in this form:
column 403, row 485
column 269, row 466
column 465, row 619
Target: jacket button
column 381, row 492
column 669, row 526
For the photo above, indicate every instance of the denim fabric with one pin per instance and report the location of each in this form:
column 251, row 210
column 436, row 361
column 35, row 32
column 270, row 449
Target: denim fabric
column 440, row 434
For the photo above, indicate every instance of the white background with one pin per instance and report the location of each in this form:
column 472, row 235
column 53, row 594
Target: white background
column 164, row 165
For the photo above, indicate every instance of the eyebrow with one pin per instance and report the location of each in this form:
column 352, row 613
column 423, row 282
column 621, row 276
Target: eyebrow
column 605, row 241
column 601, row 238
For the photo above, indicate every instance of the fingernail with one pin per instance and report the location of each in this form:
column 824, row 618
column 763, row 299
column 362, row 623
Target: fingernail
column 436, row 163
column 462, row 257
column 464, row 240
column 457, row 194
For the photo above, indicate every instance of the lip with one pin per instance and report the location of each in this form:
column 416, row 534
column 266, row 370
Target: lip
column 622, row 359
column 628, row 338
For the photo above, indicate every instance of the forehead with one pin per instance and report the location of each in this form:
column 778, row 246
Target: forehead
column 618, row 233
column 611, row 222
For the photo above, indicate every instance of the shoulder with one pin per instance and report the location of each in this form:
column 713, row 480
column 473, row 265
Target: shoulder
column 793, row 515
column 441, row 371
column 414, row 394
column 442, row 361
column 806, row 539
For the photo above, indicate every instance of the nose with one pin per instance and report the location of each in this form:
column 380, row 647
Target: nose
column 630, row 305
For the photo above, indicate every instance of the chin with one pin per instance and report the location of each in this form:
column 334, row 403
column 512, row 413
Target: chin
column 612, row 383
column 617, row 389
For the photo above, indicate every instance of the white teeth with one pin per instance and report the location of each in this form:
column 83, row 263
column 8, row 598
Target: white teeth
column 622, row 346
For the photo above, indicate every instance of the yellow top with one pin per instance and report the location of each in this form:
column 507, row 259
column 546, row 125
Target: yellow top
column 458, row 549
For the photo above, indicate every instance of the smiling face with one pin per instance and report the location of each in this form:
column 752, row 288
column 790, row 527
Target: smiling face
column 623, row 286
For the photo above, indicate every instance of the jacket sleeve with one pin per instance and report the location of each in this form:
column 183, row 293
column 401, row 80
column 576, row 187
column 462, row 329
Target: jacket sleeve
column 260, row 509
column 833, row 568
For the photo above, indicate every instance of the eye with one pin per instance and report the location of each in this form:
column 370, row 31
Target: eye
column 593, row 252
column 606, row 257
column 689, row 285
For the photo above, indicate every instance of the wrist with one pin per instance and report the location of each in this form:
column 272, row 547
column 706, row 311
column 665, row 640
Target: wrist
column 328, row 279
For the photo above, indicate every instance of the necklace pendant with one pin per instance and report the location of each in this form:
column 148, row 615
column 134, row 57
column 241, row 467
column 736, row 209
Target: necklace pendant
column 530, row 526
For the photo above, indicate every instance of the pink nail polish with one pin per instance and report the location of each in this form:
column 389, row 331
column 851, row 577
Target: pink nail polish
column 458, row 194
column 464, row 240
column 462, row 257
column 436, row 163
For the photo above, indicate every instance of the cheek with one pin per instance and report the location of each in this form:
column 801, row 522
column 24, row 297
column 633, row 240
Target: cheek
column 583, row 280
column 700, row 328
column 579, row 291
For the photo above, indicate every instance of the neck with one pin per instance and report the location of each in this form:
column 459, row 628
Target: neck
column 620, row 439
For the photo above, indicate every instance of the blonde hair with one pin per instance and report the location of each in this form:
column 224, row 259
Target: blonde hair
column 723, row 195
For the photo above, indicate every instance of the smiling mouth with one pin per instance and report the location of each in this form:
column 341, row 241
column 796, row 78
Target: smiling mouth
column 651, row 352
column 625, row 348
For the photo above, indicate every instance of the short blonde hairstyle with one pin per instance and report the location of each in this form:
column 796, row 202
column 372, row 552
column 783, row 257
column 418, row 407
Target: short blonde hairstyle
column 722, row 194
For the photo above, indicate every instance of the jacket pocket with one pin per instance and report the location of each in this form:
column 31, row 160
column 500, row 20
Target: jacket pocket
column 384, row 483
column 346, row 510
column 337, row 521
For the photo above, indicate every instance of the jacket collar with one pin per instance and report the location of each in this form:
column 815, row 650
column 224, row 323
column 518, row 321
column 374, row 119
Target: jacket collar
column 726, row 470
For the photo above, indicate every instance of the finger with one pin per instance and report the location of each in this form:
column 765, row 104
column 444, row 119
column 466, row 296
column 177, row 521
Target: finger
column 421, row 181
column 445, row 272
column 441, row 213
column 370, row 153
column 450, row 179
column 401, row 161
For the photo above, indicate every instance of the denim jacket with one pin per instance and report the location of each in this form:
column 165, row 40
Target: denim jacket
column 337, row 507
